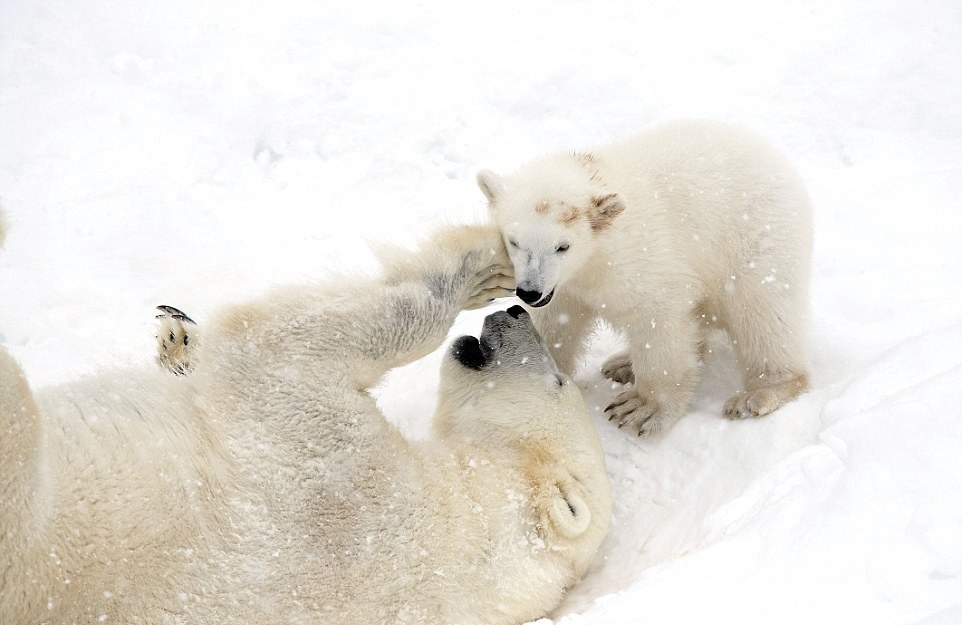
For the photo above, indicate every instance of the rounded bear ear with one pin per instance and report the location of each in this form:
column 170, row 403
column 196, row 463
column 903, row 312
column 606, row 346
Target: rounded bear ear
column 604, row 209
column 491, row 185
column 569, row 513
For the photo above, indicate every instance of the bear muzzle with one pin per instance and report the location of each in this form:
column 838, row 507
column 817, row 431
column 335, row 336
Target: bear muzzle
column 508, row 338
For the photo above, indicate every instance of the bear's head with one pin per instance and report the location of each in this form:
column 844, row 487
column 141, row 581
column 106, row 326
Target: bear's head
column 503, row 381
column 503, row 391
column 550, row 213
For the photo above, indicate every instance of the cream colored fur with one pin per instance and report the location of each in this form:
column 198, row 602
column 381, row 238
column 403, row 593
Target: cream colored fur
column 266, row 487
column 685, row 227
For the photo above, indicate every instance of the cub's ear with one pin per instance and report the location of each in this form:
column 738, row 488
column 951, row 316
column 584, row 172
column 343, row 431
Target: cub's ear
column 604, row 209
column 491, row 185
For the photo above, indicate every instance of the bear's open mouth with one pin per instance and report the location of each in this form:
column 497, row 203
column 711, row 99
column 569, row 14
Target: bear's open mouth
column 544, row 300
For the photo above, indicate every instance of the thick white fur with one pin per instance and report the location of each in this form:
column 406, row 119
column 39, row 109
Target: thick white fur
column 266, row 486
column 687, row 226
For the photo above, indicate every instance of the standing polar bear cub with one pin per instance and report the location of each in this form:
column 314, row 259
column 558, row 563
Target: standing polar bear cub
column 264, row 486
column 683, row 228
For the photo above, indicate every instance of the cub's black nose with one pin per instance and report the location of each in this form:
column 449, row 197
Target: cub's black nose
column 516, row 311
column 529, row 297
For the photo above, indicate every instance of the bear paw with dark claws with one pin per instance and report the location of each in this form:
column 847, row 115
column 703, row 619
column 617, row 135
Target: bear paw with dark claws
column 175, row 342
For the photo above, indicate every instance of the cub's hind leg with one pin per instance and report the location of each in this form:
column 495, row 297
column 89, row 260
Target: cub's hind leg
column 176, row 340
column 767, row 330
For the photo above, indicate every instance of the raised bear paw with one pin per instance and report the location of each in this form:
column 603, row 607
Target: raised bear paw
column 490, row 283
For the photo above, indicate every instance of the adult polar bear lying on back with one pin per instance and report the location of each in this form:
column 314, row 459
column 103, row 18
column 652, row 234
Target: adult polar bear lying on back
column 684, row 227
column 266, row 487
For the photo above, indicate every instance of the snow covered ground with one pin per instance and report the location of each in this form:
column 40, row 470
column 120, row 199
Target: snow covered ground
column 196, row 153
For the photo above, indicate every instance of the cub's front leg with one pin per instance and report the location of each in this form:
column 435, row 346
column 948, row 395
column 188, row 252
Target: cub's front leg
column 565, row 325
column 663, row 356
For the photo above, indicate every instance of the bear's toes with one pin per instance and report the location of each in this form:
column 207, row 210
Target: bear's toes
column 175, row 343
column 618, row 369
column 752, row 404
column 638, row 413
column 762, row 400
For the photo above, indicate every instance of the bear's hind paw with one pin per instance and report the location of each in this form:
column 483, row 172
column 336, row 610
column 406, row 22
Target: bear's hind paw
column 763, row 400
column 175, row 344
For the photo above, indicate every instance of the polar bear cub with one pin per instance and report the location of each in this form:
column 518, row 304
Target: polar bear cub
column 265, row 486
column 688, row 226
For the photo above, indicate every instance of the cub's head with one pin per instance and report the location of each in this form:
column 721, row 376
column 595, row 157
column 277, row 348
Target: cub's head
column 550, row 214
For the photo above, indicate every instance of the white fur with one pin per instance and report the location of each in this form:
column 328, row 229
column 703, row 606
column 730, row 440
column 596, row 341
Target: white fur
column 266, row 487
column 685, row 227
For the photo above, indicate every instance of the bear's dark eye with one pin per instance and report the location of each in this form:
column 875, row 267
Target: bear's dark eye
column 513, row 243
column 562, row 248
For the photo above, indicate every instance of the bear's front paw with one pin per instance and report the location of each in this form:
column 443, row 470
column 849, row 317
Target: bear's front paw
column 618, row 369
column 641, row 413
column 175, row 343
column 489, row 284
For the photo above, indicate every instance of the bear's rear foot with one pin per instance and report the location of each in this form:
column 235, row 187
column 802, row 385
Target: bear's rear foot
column 175, row 343
column 762, row 400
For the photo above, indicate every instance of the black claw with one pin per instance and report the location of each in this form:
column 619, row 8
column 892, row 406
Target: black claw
column 616, row 404
column 176, row 313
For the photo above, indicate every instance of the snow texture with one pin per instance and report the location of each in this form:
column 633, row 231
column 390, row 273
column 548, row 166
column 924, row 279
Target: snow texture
column 193, row 154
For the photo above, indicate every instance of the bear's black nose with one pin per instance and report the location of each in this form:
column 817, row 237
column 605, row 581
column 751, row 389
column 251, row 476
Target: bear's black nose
column 529, row 297
column 468, row 351
column 516, row 311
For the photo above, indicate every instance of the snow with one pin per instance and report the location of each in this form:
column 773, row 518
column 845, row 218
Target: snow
column 195, row 154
